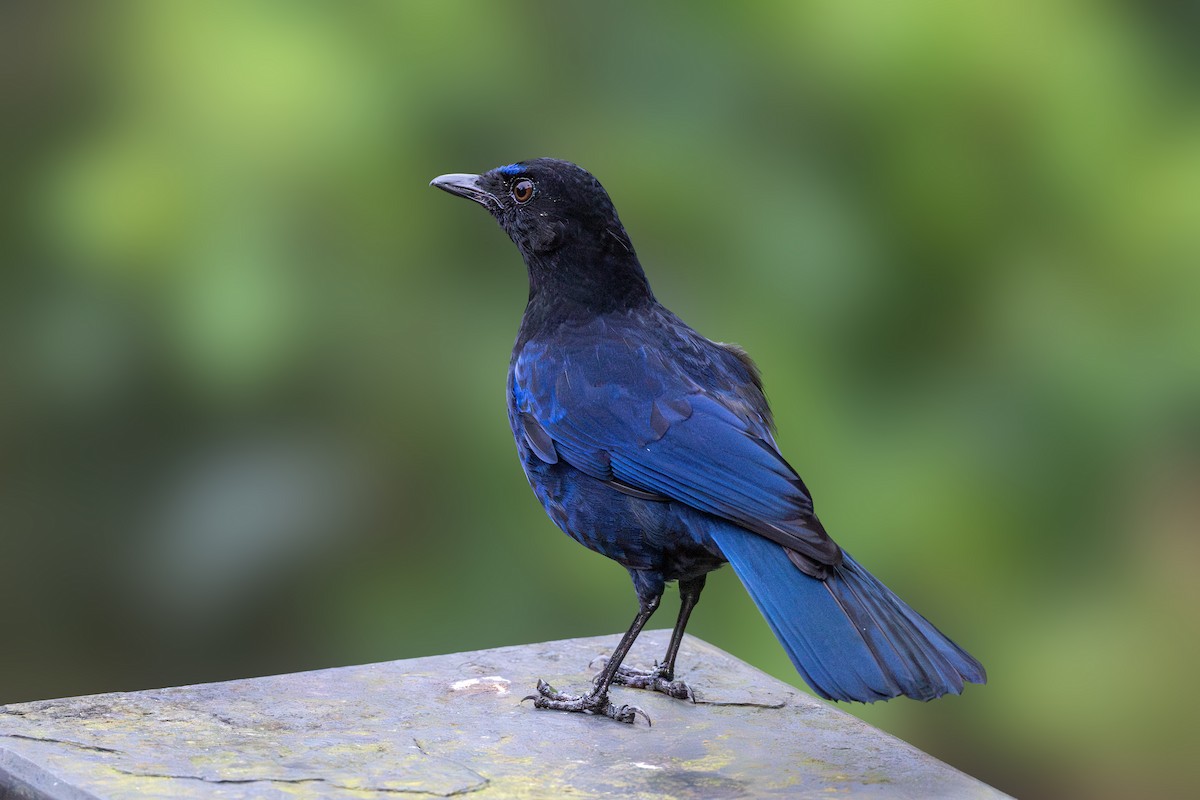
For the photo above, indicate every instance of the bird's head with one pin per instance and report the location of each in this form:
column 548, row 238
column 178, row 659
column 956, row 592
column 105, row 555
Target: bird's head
column 562, row 221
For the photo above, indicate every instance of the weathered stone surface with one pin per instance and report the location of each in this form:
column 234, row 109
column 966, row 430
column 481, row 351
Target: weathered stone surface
column 454, row 725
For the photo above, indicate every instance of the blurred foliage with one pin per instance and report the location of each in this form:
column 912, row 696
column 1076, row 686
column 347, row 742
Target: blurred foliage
column 252, row 368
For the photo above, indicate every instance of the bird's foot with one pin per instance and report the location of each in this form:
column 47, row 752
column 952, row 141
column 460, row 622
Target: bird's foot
column 591, row 703
column 655, row 680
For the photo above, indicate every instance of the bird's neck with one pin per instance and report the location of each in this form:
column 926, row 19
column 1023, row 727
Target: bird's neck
column 587, row 279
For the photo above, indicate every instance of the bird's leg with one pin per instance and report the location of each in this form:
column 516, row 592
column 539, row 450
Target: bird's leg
column 596, row 701
column 662, row 677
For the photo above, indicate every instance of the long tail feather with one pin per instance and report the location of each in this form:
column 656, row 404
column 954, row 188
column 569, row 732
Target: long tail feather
column 849, row 636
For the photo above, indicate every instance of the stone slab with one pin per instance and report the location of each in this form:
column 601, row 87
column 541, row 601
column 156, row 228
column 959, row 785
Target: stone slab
column 454, row 725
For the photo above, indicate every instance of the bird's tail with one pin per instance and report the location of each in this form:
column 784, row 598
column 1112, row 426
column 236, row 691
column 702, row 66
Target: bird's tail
column 850, row 637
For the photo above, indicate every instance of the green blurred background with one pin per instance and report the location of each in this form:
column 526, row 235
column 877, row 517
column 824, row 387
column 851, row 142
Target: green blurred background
column 252, row 368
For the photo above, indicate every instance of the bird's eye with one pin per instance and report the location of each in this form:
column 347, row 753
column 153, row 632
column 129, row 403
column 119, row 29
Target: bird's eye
column 522, row 190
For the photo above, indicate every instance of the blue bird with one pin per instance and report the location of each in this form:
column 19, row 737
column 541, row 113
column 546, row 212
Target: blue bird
column 654, row 446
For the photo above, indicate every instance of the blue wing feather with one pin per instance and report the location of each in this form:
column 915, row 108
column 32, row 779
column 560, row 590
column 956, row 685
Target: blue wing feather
column 624, row 411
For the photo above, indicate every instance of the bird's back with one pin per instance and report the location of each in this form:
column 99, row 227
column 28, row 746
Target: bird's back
column 640, row 401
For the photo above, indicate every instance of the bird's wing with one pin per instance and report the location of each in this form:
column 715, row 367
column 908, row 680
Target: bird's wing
column 628, row 415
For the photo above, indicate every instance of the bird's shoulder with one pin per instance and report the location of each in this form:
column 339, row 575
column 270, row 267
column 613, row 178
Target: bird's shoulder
column 645, row 354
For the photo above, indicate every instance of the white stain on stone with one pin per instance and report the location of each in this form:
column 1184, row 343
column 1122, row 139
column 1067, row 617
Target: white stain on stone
column 492, row 683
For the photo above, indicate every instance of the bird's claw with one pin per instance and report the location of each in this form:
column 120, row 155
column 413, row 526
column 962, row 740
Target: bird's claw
column 591, row 703
column 656, row 680
column 627, row 714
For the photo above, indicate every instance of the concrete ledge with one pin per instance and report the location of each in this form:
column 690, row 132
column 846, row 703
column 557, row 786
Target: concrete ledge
column 453, row 725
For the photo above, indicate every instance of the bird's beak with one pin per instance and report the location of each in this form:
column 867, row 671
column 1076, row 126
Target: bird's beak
column 467, row 186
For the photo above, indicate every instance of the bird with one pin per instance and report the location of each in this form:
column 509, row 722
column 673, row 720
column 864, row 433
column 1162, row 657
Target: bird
column 652, row 445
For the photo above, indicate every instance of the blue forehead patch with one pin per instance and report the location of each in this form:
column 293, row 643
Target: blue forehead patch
column 510, row 169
